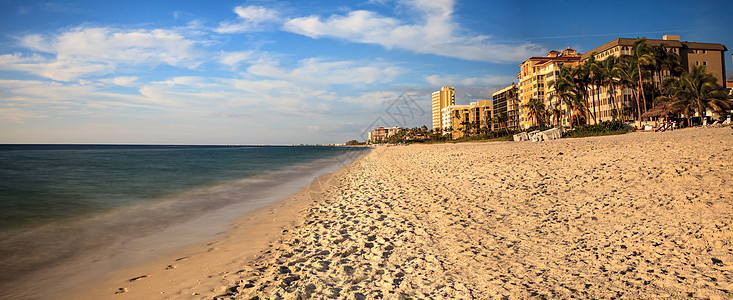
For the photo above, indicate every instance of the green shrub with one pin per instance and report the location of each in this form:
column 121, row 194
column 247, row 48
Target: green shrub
column 603, row 128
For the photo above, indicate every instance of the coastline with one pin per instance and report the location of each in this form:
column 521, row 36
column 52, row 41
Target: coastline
column 625, row 216
column 201, row 268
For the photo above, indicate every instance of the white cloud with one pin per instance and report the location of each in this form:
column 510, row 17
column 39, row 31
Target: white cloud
column 44, row 98
column 435, row 32
column 86, row 51
column 250, row 18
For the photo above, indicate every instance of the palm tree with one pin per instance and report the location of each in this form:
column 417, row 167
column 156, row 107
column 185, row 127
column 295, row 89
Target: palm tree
column 476, row 126
column 628, row 78
column 581, row 80
column 457, row 114
column 556, row 113
column 465, row 128
column 564, row 89
column 610, row 79
column 536, row 110
column 580, row 108
column 592, row 74
column 643, row 57
column 499, row 119
column 699, row 90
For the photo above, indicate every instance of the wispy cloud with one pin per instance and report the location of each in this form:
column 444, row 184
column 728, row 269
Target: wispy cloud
column 83, row 51
column 234, row 59
column 127, row 81
column 435, row 31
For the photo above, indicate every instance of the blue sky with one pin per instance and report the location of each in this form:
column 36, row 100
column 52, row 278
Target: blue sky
column 280, row 72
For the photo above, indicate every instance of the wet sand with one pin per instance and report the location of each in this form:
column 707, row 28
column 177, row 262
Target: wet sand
column 641, row 215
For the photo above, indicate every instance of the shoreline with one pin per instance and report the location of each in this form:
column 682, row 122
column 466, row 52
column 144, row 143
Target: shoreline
column 194, row 269
column 625, row 216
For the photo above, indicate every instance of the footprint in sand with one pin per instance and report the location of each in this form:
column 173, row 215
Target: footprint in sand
column 137, row 278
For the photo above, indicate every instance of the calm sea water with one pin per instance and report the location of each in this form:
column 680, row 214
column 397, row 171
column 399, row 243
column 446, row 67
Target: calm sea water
column 57, row 201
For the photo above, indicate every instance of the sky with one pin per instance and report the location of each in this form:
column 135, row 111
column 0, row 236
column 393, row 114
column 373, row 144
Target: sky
column 288, row 72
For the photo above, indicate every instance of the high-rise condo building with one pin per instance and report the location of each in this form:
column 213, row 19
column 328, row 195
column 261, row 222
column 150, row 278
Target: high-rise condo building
column 535, row 76
column 506, row 102
column 441, row 99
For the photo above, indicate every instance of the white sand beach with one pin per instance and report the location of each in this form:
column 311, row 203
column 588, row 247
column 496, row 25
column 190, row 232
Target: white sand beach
column 640, row 215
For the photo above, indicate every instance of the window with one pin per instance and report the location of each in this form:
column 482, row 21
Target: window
column 704, row 51
column 704, row 63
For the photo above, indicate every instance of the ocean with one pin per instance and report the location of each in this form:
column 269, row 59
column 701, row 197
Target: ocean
column 59, row 202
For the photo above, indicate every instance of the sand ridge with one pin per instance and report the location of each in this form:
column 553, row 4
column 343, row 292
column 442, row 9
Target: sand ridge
column 632, row 216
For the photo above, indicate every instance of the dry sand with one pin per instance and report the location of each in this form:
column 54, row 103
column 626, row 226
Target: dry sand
column 641, row 215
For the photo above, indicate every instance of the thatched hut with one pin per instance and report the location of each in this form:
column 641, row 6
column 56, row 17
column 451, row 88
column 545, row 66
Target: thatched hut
column 662, row 109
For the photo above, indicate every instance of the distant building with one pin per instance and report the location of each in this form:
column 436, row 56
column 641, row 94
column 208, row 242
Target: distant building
column 506, row 102
column 441, row 99
column 535, row 76
column 463, row 119
column 381, row 134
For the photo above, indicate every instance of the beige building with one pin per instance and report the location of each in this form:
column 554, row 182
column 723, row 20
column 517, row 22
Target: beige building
column 691, row 54
column 441, row 99
column 535, row 76
column 462, row 119
column 380, row 134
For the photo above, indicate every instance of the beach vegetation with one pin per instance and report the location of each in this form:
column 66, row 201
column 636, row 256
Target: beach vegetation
column 487, row 136
column 602, row 128
column 355, row 143
column 694, row 92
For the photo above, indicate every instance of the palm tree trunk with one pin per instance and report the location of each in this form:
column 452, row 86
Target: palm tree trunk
column 593, row 101
column 638, row 106
column 596, row 105
column 641, row 86
column 613, row 98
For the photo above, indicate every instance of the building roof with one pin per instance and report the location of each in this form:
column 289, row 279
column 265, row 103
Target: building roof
column 549, row 59
column 504, row 90
column 655, row 42
column 705, row 46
